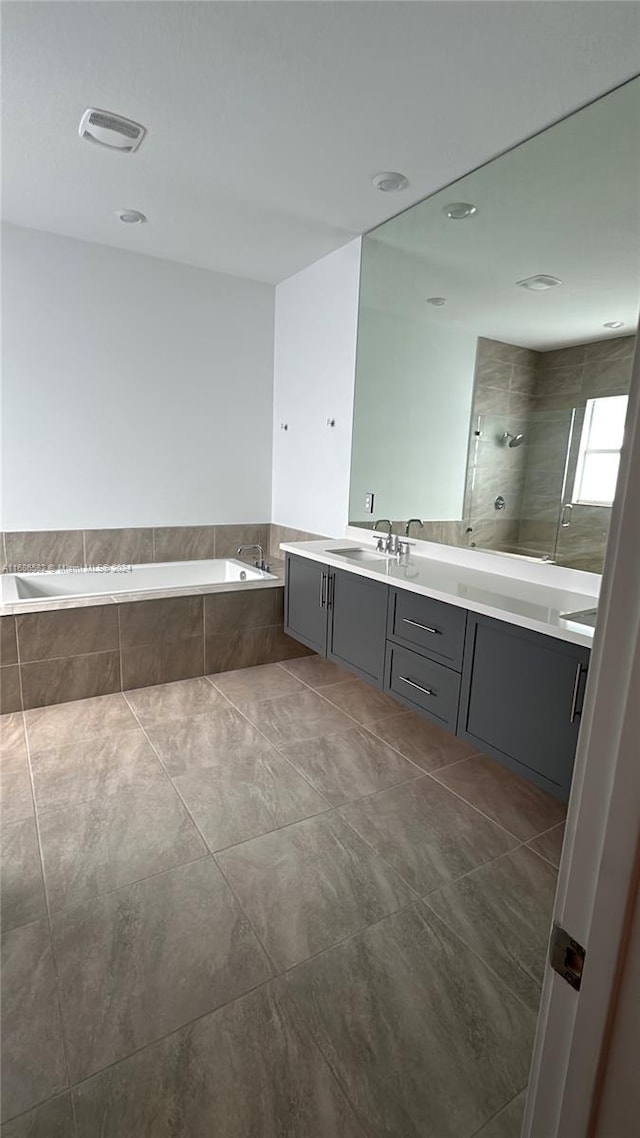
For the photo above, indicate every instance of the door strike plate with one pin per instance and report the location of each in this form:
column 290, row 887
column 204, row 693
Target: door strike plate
column 566, row 956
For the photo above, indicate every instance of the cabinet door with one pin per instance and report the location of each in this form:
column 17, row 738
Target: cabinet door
column 522, row 695
column 306, row 610
column 357, row 630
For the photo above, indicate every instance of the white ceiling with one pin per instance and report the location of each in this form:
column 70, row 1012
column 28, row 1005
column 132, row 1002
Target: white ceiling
column 267, row 120
column 566, row 203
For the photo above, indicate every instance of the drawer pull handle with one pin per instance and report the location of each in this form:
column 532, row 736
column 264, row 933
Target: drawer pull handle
column 574, row 713
column 425, row 691
column 323, row 590
column 424, row 627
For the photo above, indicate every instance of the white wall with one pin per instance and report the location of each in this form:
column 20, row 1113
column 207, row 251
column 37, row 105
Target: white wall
column 314, row 369
column 135, row 391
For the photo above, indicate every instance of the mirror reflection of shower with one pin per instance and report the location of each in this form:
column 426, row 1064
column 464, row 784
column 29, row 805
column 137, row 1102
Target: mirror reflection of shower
column 512, row 440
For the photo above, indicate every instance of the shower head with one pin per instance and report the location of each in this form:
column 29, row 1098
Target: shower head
column 513, row 440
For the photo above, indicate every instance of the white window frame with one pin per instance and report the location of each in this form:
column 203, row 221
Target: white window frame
column 584, row 453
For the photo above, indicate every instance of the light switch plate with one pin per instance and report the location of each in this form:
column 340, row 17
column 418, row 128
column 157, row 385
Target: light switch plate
column 368, row 502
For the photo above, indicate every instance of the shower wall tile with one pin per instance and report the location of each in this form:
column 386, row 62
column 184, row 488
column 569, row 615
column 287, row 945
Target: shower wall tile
column 118, row 546
column 67, row 632
column 25, row 550
column 183, row 543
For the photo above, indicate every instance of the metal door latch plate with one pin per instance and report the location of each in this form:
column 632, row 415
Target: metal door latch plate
column 566, row 957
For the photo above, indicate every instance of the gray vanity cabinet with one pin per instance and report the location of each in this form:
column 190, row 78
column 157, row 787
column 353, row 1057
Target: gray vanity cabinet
column 521, row 699
column 339, row 615
column 357, row 624
column 306, row 602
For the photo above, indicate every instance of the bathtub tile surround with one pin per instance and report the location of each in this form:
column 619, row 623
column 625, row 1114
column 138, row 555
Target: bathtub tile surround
column 157, row 808
column 137, row 545
column 77, row 653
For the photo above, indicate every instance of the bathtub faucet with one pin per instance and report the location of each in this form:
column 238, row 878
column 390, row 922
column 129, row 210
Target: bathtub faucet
column 259, row 562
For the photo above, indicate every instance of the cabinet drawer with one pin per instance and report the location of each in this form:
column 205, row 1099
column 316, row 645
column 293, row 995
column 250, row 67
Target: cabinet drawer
column 431, row 626
column 423, row 684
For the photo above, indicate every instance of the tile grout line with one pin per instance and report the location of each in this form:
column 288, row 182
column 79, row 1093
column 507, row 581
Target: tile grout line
column 210, row 851
column 54, row 960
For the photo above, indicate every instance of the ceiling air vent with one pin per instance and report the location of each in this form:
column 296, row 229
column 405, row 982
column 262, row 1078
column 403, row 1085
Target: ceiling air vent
column 111, row 130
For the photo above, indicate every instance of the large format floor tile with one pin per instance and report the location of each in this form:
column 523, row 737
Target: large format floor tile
column 301, row 716
column 21, row 888
column 549, row 845
column 349, row 766
column 92, row 847
column 309, row 885
column 64, row 723
column 248, row 1069
column 316, row 671
column 187, row 745
column 425, row 743
column 267, row 681
column 246, row 793
column 413, row 1023
column 508, row 1122
column 178, row 700
column 33, row 1067
column 361, row 701
column 97, row 768
column 16, row 798
column 503, row 912
column 515, row 803
column 54, row 1119
column 426, row 833
column 138, row 963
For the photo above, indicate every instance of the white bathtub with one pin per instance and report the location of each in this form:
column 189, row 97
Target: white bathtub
column 81, row 584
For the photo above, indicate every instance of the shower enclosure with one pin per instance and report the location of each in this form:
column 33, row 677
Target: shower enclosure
column 523, row 493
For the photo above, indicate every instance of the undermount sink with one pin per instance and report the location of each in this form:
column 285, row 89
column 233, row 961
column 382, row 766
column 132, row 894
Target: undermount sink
column 359, row 554
column 584, row 616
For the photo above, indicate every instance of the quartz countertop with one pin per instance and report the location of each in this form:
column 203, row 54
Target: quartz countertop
column 516, row 601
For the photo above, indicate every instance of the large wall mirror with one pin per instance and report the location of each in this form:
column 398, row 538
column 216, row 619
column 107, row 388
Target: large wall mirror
column 495, row 345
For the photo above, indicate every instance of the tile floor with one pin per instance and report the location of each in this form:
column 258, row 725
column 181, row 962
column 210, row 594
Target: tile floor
column 266, row 904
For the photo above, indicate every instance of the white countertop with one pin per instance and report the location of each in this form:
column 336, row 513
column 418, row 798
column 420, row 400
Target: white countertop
column 525, row 603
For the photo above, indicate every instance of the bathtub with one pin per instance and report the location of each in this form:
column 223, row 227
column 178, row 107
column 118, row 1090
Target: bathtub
column 80, row 584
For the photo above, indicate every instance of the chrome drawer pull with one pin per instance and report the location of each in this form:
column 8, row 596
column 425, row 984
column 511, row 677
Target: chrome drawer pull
column 425, row 691
column 574, row 713
column 424, row 627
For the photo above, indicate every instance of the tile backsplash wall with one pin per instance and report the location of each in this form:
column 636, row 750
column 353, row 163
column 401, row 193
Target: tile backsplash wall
column 129, row 546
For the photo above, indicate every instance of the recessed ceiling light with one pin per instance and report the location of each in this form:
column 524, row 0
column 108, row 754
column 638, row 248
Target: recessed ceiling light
column 437, row 301
column 130, row 216
column 390, row 182
column 457, row 211
column 613, row 324
column 540, row 283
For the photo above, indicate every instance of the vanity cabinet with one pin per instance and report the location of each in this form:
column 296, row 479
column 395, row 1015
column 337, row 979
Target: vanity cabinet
column 510, row 692
column 521, row 699
column 340, row 615
column 306, row 602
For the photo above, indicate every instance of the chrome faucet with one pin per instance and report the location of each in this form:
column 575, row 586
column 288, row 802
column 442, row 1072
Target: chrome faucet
column 259, row 562
column 386, row 544
column 407, row 528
